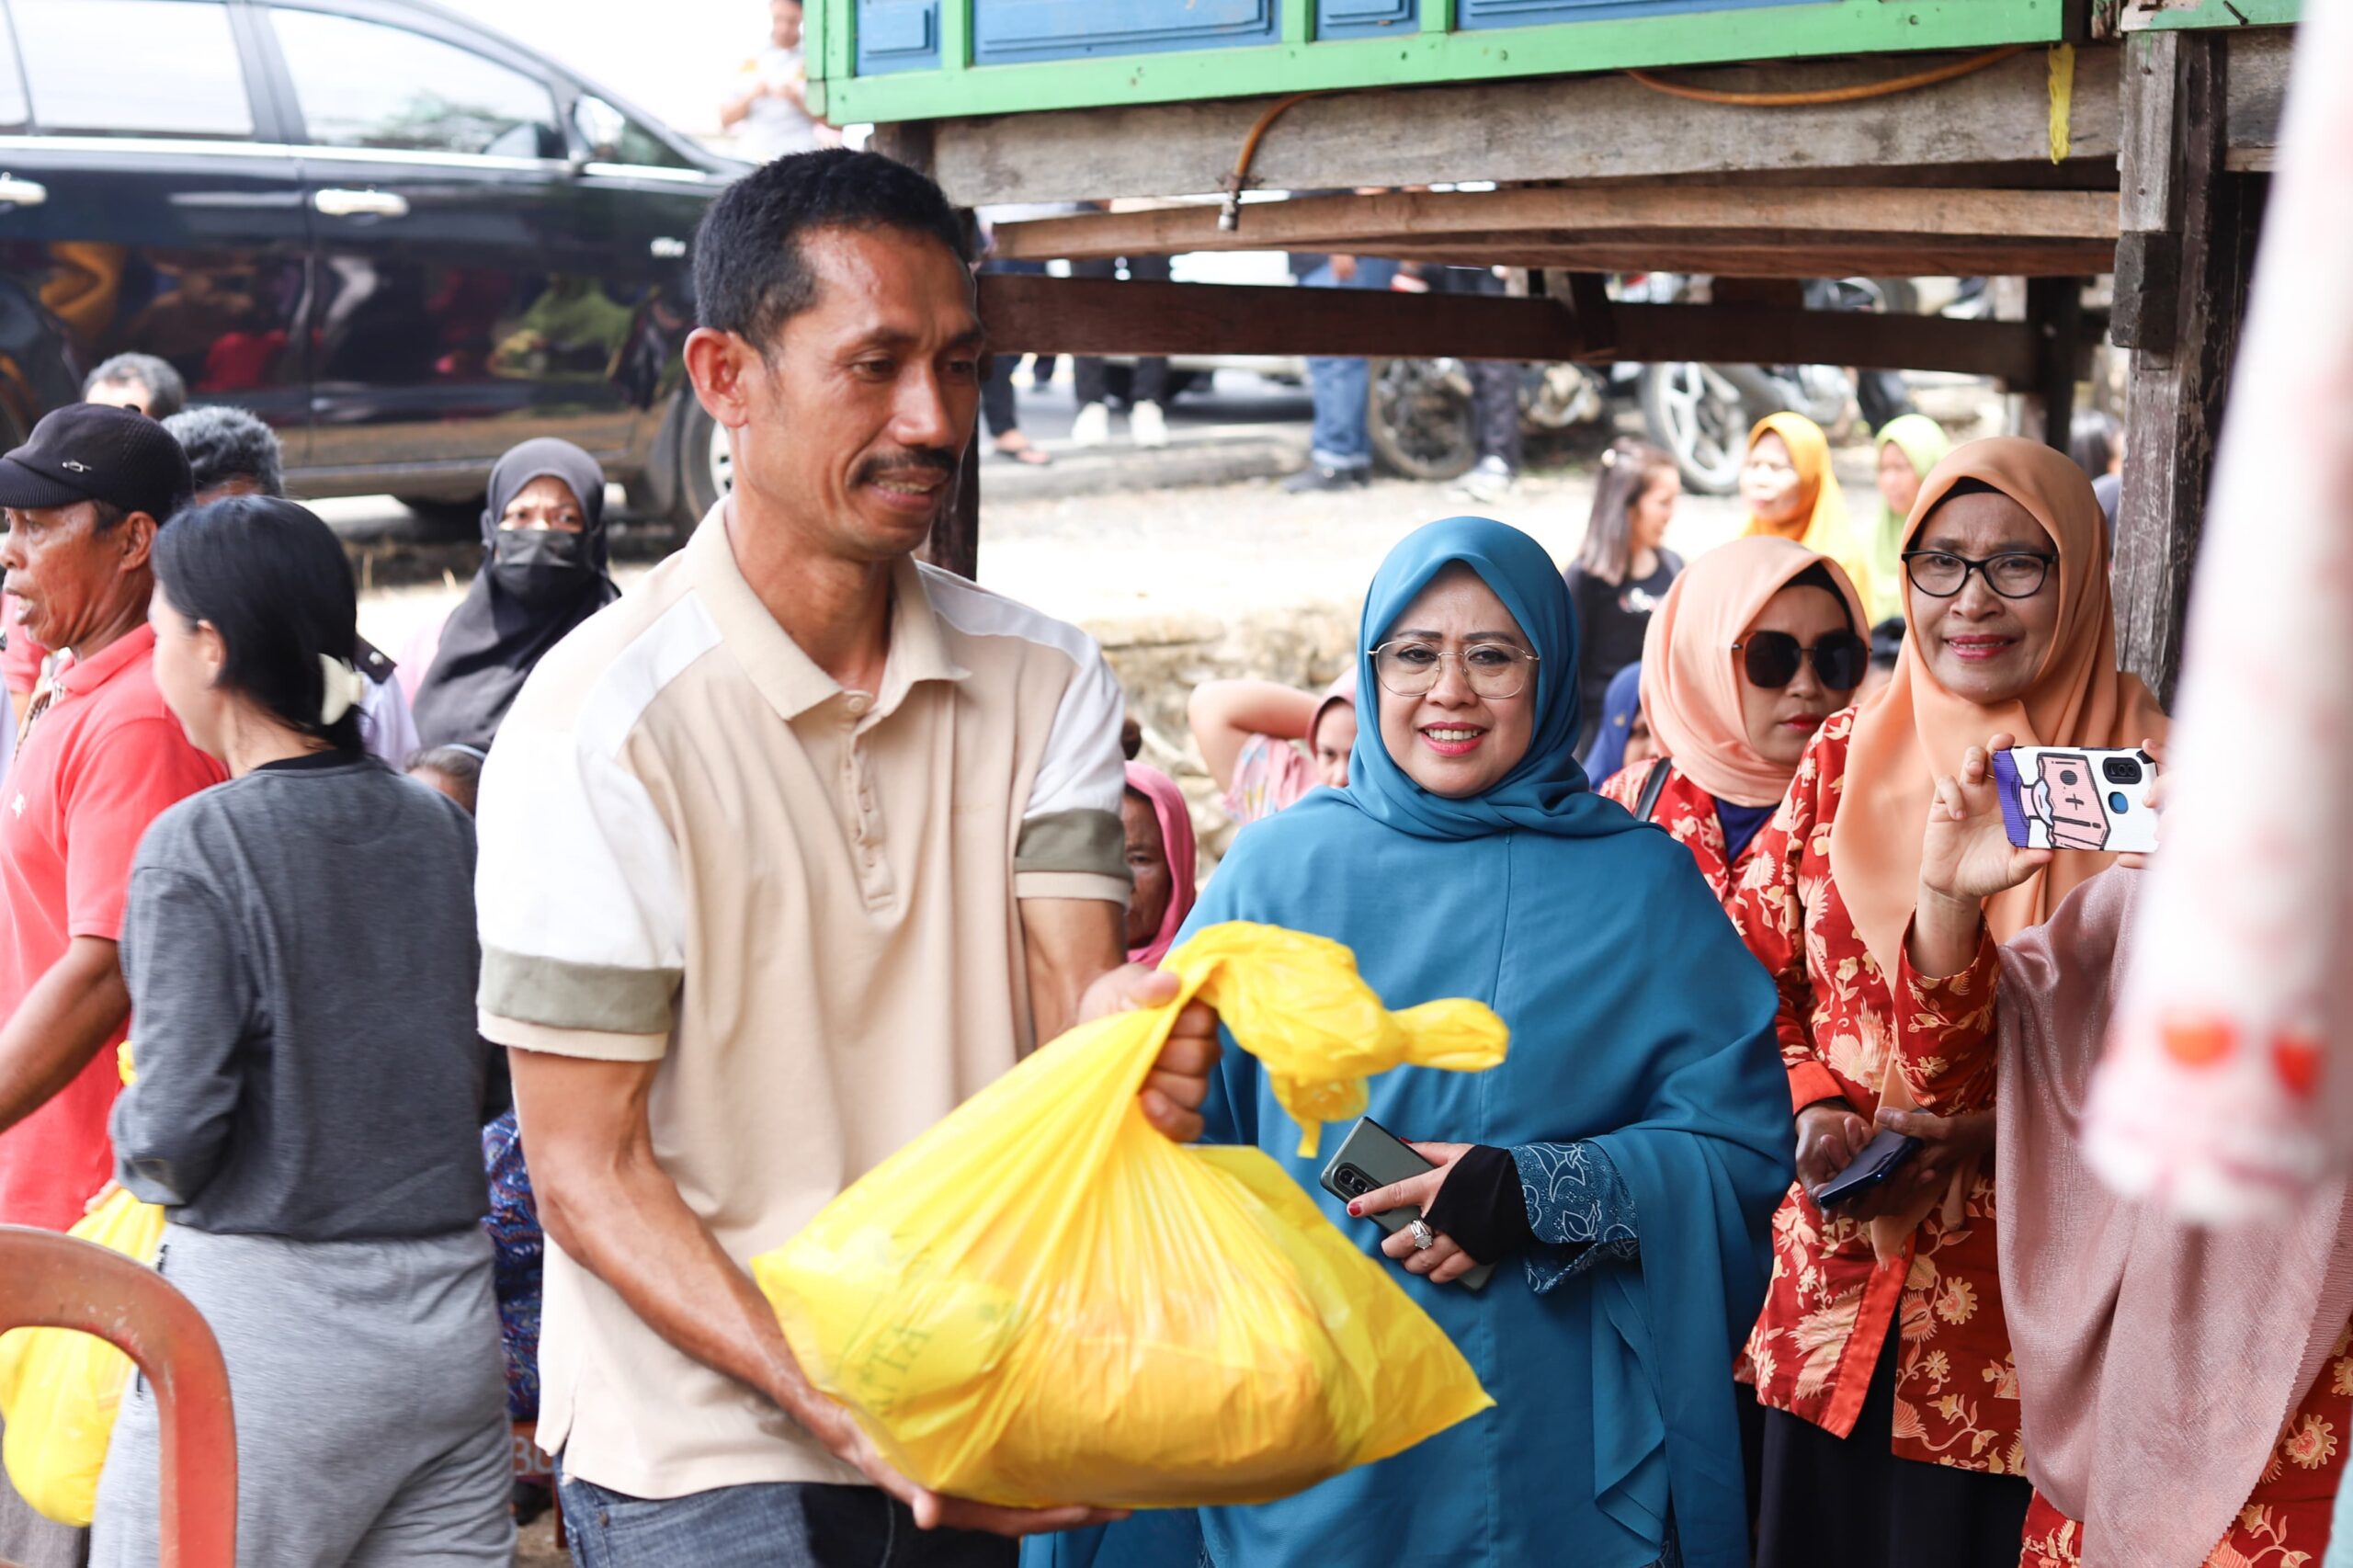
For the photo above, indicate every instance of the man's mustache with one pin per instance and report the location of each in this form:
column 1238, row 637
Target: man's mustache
column 924, row 462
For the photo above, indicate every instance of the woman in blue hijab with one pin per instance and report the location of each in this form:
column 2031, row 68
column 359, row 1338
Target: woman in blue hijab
column 1621, row 1164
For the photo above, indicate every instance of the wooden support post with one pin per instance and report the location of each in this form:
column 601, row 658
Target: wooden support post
column 2054, row 310
column 2182, row 269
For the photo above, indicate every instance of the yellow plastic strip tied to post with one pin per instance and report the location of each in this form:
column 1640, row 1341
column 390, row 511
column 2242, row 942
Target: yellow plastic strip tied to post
column 1042, row 1300
column 60, row 1389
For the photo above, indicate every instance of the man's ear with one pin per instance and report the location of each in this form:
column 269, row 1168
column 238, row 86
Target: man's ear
column 723, row 365
column 137, row 537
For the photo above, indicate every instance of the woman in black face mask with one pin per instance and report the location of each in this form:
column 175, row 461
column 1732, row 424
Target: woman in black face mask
column 543, row 573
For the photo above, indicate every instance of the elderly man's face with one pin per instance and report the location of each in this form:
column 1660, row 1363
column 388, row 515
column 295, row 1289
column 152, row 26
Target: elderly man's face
column 75, row 579
column 126, row 393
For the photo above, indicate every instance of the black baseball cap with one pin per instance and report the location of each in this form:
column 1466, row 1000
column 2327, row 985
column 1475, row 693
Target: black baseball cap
column 87, row 451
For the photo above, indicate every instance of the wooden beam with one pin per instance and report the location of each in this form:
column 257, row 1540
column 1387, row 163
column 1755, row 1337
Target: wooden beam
column 1051, row 315
column 1544, row 128
column 1365, row 224
column 2182, row 319
column 1767, row 255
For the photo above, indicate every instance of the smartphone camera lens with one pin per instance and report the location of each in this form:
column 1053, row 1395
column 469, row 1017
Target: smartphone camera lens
column 2120, row 770
column 1352, row 1181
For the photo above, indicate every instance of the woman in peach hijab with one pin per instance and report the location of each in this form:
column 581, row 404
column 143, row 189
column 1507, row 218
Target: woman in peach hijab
column 1793, row 495
column 1903, row 1447
column 1756, row 644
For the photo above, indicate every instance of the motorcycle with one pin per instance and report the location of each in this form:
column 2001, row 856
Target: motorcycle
column 1421, row 421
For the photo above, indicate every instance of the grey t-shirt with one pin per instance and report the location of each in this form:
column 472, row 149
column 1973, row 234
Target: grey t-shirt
column 299, row 948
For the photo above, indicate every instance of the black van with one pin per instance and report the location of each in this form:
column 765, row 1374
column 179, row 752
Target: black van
column 404, row 242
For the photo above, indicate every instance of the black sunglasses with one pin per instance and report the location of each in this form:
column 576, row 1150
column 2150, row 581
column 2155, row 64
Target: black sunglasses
column 1771, row 659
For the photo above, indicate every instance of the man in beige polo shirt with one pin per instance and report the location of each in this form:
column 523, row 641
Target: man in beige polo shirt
column 784, row 856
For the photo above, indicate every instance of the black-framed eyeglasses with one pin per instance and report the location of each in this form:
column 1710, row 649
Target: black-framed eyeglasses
column 2014, row 574
column 1410, row 667
column 1770, row 659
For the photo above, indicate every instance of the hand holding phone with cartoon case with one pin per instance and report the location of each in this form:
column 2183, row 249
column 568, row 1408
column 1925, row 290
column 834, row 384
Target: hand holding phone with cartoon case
column 2077, row 798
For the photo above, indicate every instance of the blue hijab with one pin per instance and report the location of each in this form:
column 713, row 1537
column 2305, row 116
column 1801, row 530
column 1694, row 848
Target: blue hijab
column 1640, row 1027
column 1618, row 706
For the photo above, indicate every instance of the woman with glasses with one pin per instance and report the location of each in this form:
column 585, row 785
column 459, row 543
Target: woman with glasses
column 1618, row 1167
column 1892, row 1421
column 1757, row 644
column 1791, row 494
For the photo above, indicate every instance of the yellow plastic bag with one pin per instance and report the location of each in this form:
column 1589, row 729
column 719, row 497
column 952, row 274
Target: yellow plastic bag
column 59, row 1389
column 1043, row 1302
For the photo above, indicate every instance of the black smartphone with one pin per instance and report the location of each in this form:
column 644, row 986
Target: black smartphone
column 1879, row 1159
column 1371, row 1157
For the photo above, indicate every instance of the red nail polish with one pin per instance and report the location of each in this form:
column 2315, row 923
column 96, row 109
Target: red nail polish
column 1355, row 1208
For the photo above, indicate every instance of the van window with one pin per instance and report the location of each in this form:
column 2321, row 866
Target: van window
column 13, row 116
column 183, row 79
column 365, row 84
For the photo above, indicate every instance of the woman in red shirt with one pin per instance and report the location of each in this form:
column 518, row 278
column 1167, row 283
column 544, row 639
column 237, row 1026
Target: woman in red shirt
column 1756, row 643
column 1883, row 1356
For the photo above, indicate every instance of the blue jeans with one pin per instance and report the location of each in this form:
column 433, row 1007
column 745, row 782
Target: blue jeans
column 1342, row 388
column 772, row 1525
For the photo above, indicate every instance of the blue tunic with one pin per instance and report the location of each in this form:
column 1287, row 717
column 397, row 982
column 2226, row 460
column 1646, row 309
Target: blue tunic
column 1643, row 1050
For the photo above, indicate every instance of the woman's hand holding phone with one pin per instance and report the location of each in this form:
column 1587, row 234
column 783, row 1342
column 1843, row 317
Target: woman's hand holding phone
column 1443, row 1261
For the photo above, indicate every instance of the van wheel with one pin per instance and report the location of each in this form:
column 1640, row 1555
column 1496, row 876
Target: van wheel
column 705, row 464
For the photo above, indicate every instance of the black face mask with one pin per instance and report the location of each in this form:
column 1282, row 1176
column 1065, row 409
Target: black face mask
column 539, row 566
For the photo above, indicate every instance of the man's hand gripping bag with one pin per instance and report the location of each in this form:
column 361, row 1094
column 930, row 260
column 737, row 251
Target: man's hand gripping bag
column 1042, row 1300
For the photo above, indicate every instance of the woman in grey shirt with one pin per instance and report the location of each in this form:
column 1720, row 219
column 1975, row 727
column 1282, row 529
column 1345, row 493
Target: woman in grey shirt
column 301, row 953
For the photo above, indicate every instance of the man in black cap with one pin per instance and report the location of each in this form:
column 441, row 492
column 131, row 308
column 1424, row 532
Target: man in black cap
column 99, row 757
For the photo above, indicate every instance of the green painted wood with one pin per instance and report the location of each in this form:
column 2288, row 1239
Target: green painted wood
column 1708, row 38
column 1438, row 16
column 2226, row 14
column 955, row 35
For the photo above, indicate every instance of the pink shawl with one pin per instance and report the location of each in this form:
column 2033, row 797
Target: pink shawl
column 2157, row 1361
column 1177, row 833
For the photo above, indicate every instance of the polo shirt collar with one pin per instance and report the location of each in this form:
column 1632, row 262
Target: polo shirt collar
column 785, row 676
column 133, row 647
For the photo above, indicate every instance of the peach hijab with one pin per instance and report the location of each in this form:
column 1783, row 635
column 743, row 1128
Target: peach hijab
column 1691, row 677
column 1915, row 730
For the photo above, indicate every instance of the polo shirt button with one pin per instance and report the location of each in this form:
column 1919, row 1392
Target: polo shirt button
column 856, row 703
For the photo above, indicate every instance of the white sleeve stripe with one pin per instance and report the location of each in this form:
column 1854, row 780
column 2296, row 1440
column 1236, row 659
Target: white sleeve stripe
column 577, row 865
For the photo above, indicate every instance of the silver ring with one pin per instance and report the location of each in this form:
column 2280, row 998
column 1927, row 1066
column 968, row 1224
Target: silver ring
column 1424, row 1237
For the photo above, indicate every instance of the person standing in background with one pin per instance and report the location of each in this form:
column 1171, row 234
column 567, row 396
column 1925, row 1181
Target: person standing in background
column 230, row 452
column 1623, row 569
column 1792, row 494
column 1908, row 447
column 100, row 758
column 1245, row 728
column 140, row 382
column 310, row 1085
column 1340, row 451
column 768, row 108
column 543, row 572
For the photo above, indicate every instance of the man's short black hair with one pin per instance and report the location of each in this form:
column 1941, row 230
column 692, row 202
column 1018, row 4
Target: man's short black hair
column 224, row 443
column 751, row 274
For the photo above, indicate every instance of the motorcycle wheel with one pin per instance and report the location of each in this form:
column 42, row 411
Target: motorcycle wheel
column 1698, row 418
column 1420, row 418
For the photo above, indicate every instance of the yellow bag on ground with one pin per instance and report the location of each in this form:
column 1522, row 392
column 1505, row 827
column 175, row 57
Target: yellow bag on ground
column 1042, row 1300
column 59, row 1389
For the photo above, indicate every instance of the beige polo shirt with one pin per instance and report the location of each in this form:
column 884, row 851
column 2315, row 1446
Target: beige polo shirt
column 697, row 849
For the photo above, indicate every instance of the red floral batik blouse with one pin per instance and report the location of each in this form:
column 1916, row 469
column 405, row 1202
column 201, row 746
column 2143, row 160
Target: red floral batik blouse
column 1831, row 1306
